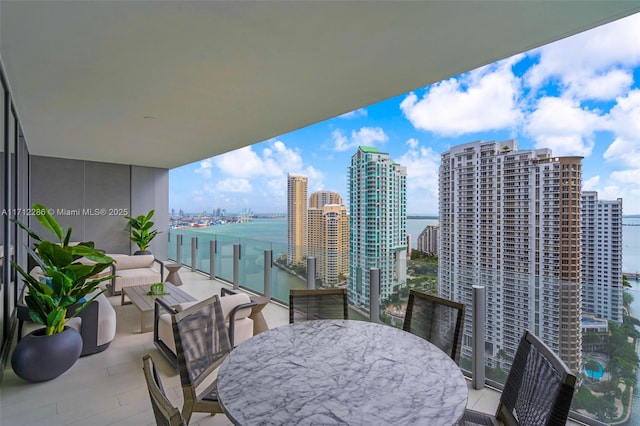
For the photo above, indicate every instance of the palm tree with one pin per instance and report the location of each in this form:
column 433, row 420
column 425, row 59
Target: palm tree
column 592, row 366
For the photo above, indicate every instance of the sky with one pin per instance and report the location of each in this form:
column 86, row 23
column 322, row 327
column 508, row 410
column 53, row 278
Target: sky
column 577, row 96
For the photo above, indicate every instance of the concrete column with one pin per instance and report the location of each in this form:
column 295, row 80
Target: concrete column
column 179, row 248
column 194, row 254
column 374, row 295
column 268, row 261
column 478, row 337
column 236, row 266
column 311, row 273
column 213, row 249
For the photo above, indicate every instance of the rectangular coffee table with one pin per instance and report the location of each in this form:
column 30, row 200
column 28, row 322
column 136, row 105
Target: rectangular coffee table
column 138, row 296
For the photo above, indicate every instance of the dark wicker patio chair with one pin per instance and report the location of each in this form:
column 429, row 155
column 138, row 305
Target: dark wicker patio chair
column 439, row 321
column 165, row 413
column 538, row 390
column 305, row 305
column 202, row 343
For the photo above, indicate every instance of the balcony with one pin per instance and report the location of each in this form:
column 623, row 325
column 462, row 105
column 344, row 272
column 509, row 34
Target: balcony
column 108, row 388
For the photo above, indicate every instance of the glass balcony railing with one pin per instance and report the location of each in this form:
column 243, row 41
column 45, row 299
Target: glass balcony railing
column 550, row 308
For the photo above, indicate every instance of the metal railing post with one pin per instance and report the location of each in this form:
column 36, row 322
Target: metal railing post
column 374, row 295
column 179, row 249
column 194, row 254
column 236, row 266
column 478, row 337
column 268, row 262
column 213, row 249
column 311, row 273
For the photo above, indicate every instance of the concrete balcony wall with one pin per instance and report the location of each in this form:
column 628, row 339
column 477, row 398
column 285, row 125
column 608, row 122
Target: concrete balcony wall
column 93, row 197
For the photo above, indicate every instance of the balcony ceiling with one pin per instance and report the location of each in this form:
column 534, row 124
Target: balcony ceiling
column 167, row 83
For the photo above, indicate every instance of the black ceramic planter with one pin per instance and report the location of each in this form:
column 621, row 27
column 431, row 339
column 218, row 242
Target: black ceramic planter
column 38, row 357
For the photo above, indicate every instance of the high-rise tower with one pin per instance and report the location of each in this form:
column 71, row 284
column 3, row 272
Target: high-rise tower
column 510, row 220
column 428, row 240
column 602, row 257
column 378, row 223
column 296, row 218
column 320, row 198
column 328, row 236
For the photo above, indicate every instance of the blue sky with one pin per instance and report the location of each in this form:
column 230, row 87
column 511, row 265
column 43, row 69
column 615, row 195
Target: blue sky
column 577, row 96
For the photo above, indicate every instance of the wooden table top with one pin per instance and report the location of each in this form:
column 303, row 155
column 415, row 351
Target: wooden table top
column 139, row 297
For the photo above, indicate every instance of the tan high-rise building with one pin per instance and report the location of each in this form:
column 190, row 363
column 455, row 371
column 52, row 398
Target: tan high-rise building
column 320, row 198
column 510, row 221
column 296, row 218
column 328, row 237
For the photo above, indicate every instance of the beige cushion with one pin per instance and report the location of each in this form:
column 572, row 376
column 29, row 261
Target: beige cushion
column 134, row 270
column 231, row 301
column 124, row 261
column 106, row 319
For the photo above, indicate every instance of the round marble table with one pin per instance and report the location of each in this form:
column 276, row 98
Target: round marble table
column 335, row 372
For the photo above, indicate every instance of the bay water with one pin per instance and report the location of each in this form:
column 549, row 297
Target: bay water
column 275, row 231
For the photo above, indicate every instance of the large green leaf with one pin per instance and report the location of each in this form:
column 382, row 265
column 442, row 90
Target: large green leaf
column 32, row 234
column 48, row 221
column 55, row 317
column 67, row 237
column 53, row 254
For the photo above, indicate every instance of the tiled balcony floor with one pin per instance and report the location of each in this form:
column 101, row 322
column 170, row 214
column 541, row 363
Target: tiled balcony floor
column 109, row 388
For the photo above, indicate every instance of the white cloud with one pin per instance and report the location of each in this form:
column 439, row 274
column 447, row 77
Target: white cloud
column 234, row 185
column 361, row 112
column 243, row 162
column 366, row 136
column 204, row 168
column 258, row 173
column 591, row 184
column 624, row 121
column 624, row 184
column 591, row 65
column 624, row 151
column 341, row 141
column 276, row 160
column 422, row 165
column 626, row 177
column 600, row 87
column 562, row 125
column 286, row 158
column 481, row 100
column 413, row 143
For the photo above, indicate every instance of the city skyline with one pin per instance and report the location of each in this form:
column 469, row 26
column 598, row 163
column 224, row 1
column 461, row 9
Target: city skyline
column 578, row 96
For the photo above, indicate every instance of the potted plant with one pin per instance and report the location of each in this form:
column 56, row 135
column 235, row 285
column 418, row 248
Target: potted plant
column 71, row 274
column 141, row 233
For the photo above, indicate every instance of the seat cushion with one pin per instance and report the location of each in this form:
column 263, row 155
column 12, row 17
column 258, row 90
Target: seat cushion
column 133, row 277
column 124, row 261
column 165, row 332
column 243, row 328
column 106, row 321
column 231, row 301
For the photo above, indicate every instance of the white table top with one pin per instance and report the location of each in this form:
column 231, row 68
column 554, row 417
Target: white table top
column 340, row 372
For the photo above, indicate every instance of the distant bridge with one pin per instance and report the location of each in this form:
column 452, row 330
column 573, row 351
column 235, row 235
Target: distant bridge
column 632, row 275
column 422, row 216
